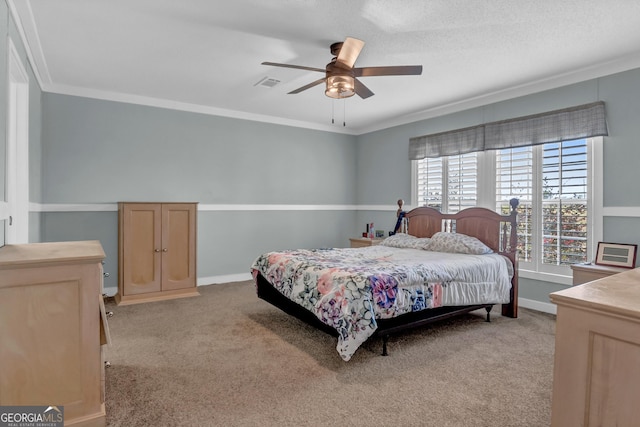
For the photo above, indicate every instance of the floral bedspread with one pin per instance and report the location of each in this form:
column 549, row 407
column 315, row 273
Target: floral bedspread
column 348, row 289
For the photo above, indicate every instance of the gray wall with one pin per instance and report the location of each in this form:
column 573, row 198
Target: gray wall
column 387, row 150
column 93, row 152
column 102, row 152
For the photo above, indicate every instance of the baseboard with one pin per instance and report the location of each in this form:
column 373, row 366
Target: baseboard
column 110, row 291
column 545, row 307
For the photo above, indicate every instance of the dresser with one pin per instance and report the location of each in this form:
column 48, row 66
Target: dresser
column 583, row 273
column 53, row 327
column 156, row 251
column 596, row 375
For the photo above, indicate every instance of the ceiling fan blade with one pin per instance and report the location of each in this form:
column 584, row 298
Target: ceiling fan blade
column 399, row 70
column 349, row 52
column 310, row 85
column 362, row 91
column 299, row 67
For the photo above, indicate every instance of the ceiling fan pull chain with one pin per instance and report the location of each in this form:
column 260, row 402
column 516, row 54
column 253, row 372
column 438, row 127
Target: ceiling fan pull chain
column 333, row 103
column 344, row 112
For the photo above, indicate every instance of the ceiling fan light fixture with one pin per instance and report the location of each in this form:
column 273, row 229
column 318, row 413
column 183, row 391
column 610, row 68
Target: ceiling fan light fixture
column 342, row 78
column 341, row 86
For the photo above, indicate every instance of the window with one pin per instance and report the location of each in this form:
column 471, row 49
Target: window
column 564, row 203
column 553, row 183
column 455, row 176
column 514, row 178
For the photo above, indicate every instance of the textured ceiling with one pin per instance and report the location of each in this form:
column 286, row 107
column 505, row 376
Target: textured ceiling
column 203, row 55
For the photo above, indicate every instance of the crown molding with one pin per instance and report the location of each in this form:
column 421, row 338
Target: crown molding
column 184, row 106
column 576, row 76
column 41, row 71
column 590, row 72
column 27, row 26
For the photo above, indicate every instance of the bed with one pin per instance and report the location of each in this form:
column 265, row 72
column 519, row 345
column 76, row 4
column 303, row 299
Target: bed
column 442, row 265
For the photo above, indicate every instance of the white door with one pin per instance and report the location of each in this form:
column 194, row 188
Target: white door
column 14, row 206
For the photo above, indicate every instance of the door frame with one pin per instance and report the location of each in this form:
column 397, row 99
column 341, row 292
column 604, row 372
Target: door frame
column 16, row 209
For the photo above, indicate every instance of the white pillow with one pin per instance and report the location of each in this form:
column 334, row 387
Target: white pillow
column 406, row 241
column 458, row 244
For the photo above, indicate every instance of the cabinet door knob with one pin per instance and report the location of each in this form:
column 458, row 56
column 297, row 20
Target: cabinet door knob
column 156, row 250
column 165, row 250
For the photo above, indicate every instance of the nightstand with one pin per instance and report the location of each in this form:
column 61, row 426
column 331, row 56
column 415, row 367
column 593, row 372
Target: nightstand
column 583, row 273
column 361, row 242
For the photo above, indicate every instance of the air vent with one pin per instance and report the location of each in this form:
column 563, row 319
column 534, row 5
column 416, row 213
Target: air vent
column 267, row 82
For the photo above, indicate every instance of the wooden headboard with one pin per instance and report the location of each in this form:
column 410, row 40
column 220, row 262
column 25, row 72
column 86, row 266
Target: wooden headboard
column 499, row 232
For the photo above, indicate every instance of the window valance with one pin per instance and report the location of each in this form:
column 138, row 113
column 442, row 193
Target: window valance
column 448, row 143
column 583, row 121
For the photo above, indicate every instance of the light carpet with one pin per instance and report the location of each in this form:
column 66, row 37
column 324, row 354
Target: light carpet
column 227, row 358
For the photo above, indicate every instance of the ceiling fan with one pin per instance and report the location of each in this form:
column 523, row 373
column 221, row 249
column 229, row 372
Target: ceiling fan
column 340, row 75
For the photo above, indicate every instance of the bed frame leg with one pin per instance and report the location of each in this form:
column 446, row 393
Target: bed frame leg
column 488, row 308
column 385, row 340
